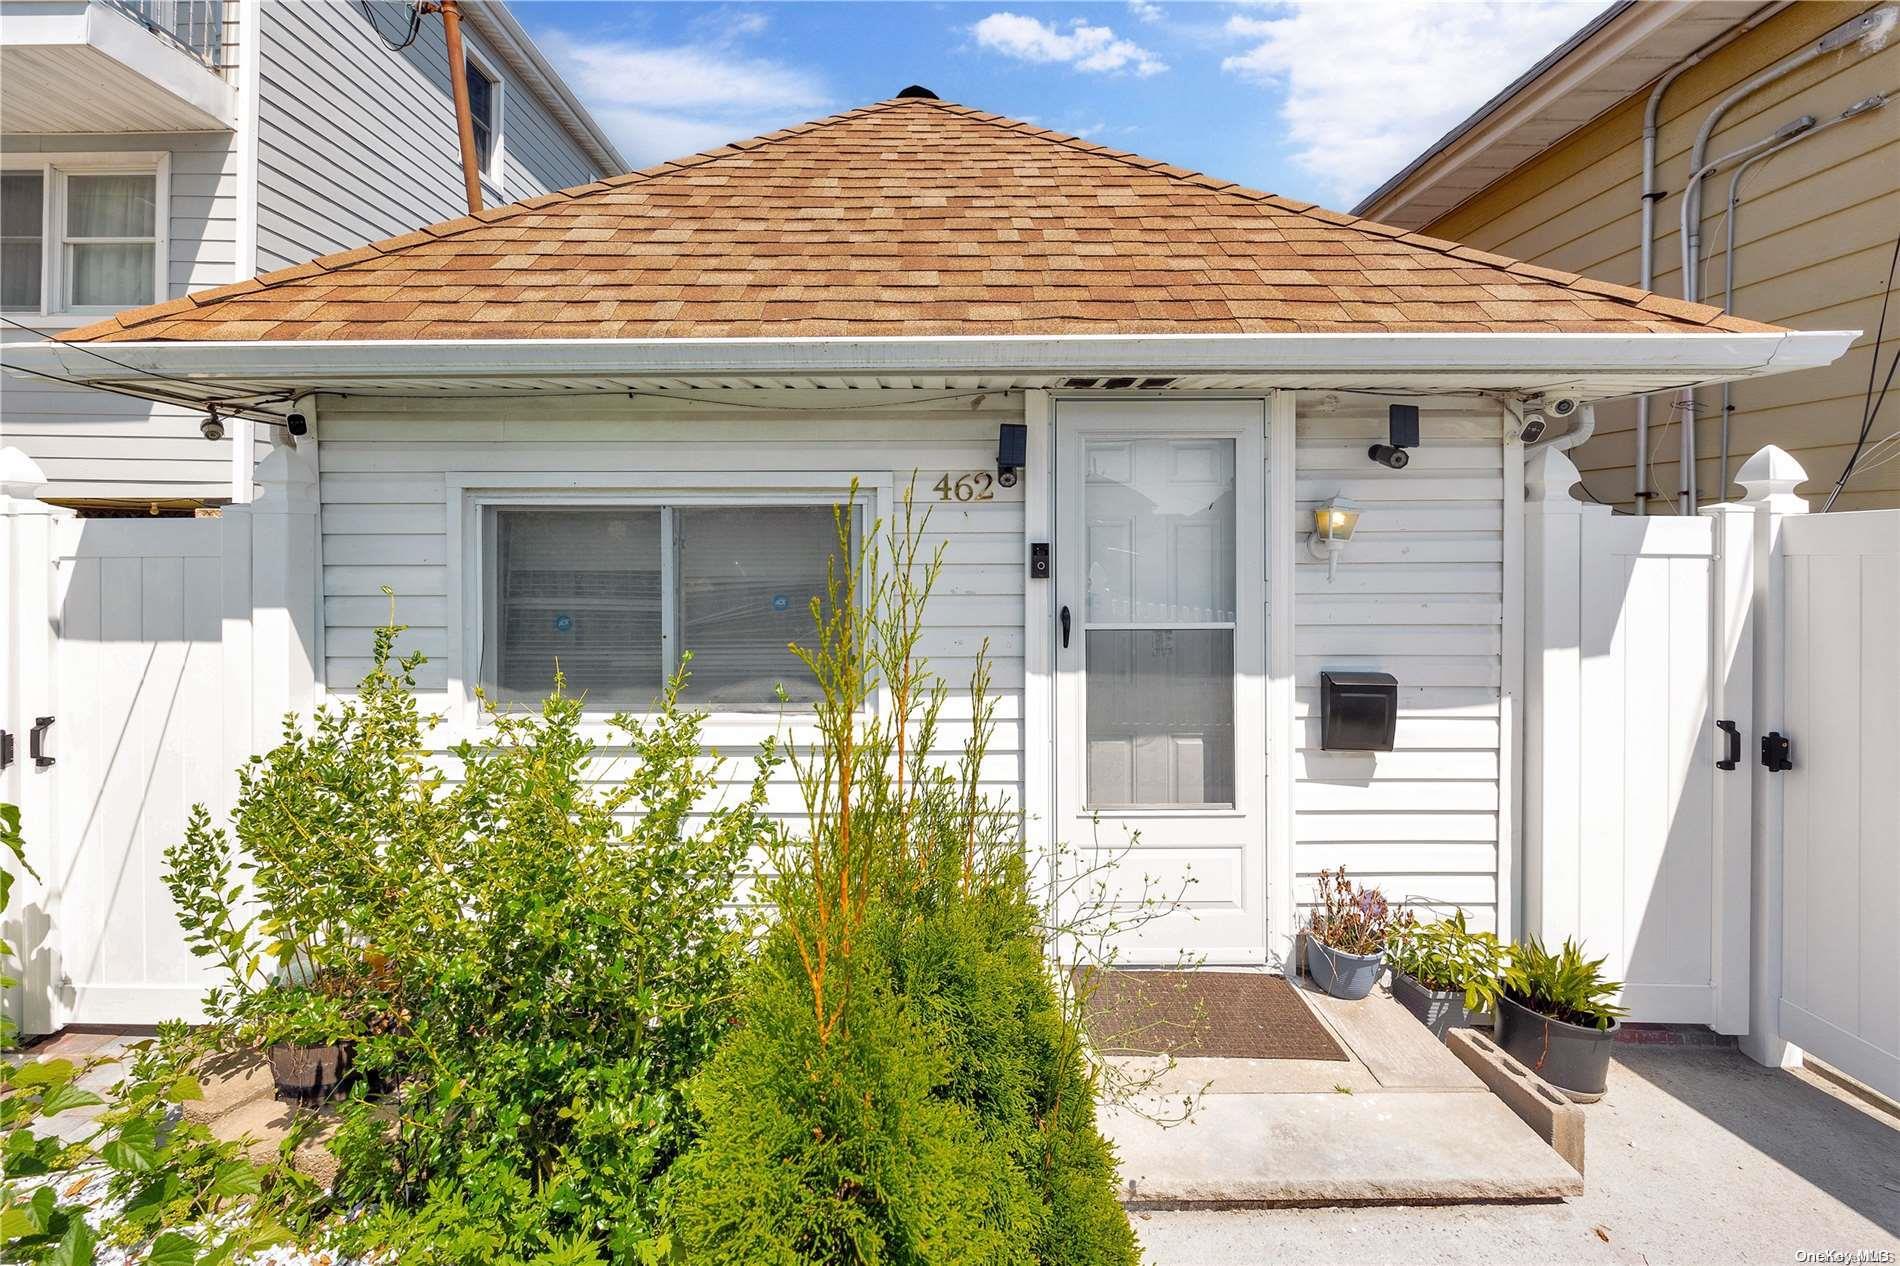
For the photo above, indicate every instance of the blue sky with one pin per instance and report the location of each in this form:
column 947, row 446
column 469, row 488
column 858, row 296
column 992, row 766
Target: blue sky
column 1319, row 99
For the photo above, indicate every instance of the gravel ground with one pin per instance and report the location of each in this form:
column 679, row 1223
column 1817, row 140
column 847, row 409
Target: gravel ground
column 1695, row 1155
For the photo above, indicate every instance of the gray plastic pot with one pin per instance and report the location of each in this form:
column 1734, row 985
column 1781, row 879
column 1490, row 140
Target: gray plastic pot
column 1340, row 974
column 1436, row 1011
column 1575, row 1058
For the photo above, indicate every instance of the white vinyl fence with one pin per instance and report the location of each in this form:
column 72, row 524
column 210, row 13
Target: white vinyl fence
column 144, row 660
column 1636, row 842
column 1839, row 912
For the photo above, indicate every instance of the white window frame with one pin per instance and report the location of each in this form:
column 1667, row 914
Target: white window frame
column 54, row 314
column 494, row 172
column 470, row 495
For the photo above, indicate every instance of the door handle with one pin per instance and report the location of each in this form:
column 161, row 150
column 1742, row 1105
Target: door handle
column 36, row 742
column 1065, row 628
column 1734, row 757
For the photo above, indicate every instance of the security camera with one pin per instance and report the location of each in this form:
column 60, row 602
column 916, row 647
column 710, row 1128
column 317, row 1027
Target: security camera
column 1533, row 428
column 297, row 424
column 212, row 428
column 1390, row 456
column 1562, row 407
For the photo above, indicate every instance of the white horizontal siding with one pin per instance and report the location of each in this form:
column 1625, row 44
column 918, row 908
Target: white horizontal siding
column 385, row 516
column 92, row 443
column 1419, row 594
column 357, row 143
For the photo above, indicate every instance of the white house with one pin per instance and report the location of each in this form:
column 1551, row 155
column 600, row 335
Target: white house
column 150, row 148
column 608, row 424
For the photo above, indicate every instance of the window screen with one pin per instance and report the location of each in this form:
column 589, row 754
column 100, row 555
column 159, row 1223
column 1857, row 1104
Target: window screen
column 747, row 578
column 593, row 591
column 578, row 590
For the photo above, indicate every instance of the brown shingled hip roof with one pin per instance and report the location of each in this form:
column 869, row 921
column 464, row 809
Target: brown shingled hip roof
column 909, row 217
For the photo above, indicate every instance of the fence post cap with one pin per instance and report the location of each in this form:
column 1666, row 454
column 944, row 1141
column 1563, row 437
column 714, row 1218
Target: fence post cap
column 1770, row 474
column 20, row 475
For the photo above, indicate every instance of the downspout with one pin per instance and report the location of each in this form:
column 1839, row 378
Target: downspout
column 1870, row 25
column 1865, row 105
column 1652, row 113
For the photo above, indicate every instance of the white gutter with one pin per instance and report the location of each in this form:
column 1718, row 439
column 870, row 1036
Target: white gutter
column 1707, row 357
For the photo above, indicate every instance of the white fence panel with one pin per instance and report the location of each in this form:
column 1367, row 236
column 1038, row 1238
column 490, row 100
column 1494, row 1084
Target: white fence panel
column 1633, row 843
column 139, row 607
column 1840, row 937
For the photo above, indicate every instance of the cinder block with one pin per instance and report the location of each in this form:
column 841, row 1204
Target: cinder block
column 1543, row 1107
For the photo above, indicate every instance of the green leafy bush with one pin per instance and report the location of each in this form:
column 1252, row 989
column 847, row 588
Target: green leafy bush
column 905, row 1084
column 182, row 1198
column 1564, row 985
column 1446, row 956
column 532, row 959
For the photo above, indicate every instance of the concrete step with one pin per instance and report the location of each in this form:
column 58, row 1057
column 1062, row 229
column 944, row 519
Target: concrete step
column 1400, row 1146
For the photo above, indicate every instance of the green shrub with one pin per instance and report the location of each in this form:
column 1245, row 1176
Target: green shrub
column 533, row 961
column 906, row 1084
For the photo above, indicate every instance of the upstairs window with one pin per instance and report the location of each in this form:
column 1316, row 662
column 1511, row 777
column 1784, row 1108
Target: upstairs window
column 81, row 234
column 22, row 239
column 484, row 107
column 615, row 596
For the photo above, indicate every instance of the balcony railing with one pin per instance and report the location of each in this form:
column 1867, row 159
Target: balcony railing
column 192, row 26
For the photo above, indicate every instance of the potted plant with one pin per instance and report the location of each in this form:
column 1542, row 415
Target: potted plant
column 1444, row 973
column 306, row 1036
column 1554, row 1015
column 1345, row 936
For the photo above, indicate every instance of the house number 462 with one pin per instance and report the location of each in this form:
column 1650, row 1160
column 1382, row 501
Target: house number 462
column 976, row 485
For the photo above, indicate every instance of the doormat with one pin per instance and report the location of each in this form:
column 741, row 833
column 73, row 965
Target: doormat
column 1244, row 1015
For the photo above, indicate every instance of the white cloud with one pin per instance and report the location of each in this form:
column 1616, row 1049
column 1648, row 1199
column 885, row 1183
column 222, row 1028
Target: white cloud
column 1080, row 45
column 665, row 102
column 1370, row 85
column 1145, row 10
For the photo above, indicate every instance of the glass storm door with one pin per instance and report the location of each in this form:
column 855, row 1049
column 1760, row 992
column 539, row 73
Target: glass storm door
column 1161, row 672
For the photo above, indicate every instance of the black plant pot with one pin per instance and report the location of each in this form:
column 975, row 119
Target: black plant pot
column 1436, row 1011
column 308, row 1072
column 1575, row 1058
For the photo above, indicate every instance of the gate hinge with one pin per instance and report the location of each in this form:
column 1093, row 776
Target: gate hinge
column 1774, row 752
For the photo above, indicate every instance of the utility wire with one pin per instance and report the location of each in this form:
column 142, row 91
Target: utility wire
column 133, row 369
column 155, row 397
column 1873, row 368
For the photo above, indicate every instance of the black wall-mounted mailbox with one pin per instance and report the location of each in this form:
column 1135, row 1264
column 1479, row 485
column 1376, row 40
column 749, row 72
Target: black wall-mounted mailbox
column 1358, row 712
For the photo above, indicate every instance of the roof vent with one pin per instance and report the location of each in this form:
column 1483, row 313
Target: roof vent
column 918, row 90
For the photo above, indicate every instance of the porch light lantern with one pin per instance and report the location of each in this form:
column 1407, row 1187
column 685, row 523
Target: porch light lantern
column 1333, row 525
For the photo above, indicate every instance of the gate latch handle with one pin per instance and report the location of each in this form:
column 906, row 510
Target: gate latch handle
column 1774, row 752
column 1065, row 628
column 1734, row 757
column 6, row 748
column 36, row 742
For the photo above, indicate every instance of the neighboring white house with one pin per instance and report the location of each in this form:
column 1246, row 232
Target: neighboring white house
column 607, row 426
column 155, row 147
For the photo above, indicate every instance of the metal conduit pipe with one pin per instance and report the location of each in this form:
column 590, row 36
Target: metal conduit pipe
column 1691, row 287
column 1871, row 25
column 1646, row 278
column 1865, row 105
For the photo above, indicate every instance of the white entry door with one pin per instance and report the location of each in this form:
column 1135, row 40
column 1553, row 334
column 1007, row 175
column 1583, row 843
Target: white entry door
column 1161, row 672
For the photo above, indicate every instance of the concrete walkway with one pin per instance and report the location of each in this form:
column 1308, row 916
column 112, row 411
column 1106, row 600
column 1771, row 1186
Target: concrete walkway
column 1401, row 1119
column 1696, row 1155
